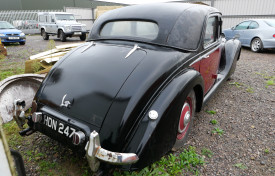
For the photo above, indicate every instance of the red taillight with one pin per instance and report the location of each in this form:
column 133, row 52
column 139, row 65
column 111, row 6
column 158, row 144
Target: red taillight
column 274, row 35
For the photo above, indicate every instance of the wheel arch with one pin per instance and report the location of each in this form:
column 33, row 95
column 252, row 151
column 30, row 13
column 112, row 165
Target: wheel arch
column 58, row 31
column 254, row 38
column 42, row 29
column 150, row 134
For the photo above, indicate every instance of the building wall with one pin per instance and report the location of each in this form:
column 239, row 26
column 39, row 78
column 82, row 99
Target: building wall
column 42, row 4
column 235, row 11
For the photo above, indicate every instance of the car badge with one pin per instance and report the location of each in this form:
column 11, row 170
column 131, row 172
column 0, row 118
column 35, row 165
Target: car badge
column 65, row 103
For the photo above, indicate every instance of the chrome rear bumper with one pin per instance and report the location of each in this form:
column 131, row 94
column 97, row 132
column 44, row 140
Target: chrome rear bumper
column 95, row 153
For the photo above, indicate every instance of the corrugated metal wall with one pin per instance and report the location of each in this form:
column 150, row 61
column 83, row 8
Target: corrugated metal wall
column 235, row 11
column 42, row 4
column 82, row 15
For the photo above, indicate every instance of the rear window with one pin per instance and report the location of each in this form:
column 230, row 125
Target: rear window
column 270, row 22
column 140, row 29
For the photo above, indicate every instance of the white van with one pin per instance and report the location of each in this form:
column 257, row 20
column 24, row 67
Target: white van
column 61, row 24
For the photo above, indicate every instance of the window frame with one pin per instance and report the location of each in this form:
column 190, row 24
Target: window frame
column 216, row 31
column 253, row 22
column 135, row 28
column 241, row 23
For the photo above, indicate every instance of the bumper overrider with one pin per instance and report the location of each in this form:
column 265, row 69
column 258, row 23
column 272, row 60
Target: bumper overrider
column 94, row 152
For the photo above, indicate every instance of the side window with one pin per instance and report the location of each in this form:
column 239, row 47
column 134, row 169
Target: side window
column 243, row 25
column 42, row 18
column 211, row 32
column 253, row 25
column 52, row 18
column 47, row 18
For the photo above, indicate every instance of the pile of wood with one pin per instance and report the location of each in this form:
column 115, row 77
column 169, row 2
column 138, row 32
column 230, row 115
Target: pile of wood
column 102, row 9
column 3, row 50
column 43, row 62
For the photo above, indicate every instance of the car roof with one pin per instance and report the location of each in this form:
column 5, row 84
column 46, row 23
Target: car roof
column 174, row 20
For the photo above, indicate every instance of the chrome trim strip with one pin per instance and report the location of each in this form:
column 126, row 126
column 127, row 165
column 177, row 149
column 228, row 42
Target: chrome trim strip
column 205, row 55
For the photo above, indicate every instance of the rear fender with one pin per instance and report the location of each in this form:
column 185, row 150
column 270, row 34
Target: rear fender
column 154, row 138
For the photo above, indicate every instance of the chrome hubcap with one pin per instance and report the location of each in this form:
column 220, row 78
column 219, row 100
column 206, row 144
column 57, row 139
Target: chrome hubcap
column 256, row 45
column 185, row 118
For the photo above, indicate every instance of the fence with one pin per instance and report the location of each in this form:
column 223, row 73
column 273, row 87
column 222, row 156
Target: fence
column 25, row 20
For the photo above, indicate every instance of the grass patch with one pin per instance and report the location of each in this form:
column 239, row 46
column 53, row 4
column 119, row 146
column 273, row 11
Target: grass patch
column 218, row 131
column 47, row 167
column 12, row 134
column 2, row 56
column 266, row 151
column 10, row 72
column 269, row 83
column 211, row 112
column 240, row 165
column 269, row 79
column 206, row 152
column 188, row 160
column 51, row 44
column 213, row 121
column 237, row 84
column 249, row 90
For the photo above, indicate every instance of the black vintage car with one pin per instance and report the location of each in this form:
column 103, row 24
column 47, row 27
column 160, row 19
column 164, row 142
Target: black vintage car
column 129, row 94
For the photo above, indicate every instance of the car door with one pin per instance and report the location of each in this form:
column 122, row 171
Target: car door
column 241, row 30
column 212, row 50
column 51, row 23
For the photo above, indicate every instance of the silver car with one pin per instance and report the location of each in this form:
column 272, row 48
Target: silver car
column 257, row 34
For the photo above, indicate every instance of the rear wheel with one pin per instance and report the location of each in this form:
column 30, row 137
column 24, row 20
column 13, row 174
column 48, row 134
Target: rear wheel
column 45, row 35
column 185, row 120
column 22, row 43
column 82, row 37
column 62, row 36
column 256, row 45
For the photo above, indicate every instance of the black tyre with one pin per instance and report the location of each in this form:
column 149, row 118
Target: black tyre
column 62, row 36
column 22, row 43
column 45, row 35
column 256, row 45
column 185, row 120
column 82, row 37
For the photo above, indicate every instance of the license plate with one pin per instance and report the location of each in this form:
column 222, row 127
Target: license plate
column 77, row 33
column 58, row 126
column 13, row 38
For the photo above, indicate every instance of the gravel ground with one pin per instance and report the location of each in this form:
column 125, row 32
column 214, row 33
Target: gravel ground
column 246, row 113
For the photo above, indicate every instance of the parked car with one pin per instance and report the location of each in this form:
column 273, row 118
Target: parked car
column 61, row 24
column 9, row 34
column 129, row 94
column 30, row 24
column 257, row 34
